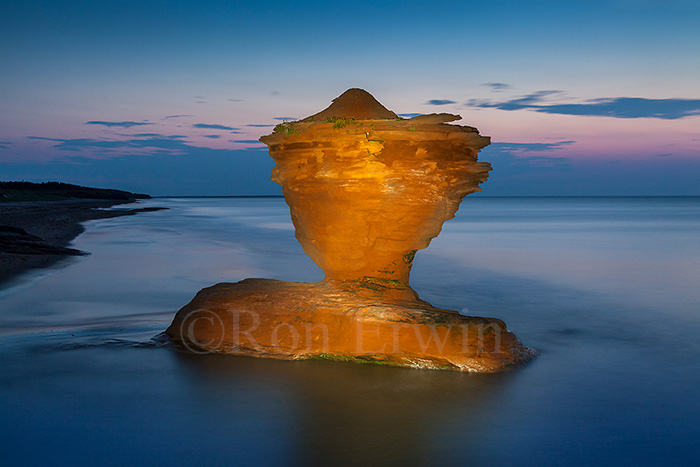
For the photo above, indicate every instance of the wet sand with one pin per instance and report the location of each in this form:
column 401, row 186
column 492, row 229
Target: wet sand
column 36, row 234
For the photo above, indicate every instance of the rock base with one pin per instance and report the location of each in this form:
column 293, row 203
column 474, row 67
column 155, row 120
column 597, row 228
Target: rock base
column 365, row 321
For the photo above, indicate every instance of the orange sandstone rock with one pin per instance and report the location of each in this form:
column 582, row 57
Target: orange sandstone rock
column 356, row 321
column 366, row 190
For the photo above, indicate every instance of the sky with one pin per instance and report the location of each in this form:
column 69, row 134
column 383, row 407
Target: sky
column 169, row 97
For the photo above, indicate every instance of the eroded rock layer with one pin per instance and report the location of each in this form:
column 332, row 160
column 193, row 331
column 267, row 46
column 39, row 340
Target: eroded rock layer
column 366, row 191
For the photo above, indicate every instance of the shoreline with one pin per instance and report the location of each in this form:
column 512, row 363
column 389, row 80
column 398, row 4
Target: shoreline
column 36, row 234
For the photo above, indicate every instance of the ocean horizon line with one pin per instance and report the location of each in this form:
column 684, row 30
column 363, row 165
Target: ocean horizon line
column 467, row 197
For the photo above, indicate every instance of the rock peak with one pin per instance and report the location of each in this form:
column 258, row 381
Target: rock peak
column 354, row 103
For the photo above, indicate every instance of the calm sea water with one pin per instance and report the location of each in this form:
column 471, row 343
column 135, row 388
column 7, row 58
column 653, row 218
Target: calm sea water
column 607, row 289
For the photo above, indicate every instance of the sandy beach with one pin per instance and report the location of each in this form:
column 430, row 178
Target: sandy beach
column 37, row 234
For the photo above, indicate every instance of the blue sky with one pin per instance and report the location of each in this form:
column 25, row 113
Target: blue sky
column 580, row 98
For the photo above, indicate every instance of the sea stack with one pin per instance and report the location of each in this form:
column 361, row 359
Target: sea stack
column 366, row 190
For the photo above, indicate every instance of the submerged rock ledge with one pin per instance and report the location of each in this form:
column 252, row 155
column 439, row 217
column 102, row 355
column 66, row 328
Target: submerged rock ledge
column 357, row 321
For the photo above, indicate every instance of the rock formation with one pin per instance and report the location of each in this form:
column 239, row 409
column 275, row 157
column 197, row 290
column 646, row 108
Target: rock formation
column 366, row 190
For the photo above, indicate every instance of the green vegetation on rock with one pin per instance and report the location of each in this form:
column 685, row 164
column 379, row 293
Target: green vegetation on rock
column 352, row 359
column 383, row 283
column 339, row 123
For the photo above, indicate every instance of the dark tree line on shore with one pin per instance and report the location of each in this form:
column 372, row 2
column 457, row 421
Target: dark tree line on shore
column 55, row 191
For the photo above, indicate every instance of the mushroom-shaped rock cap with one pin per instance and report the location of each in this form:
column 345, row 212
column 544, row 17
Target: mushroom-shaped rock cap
column 354, row 103
column 366, row 189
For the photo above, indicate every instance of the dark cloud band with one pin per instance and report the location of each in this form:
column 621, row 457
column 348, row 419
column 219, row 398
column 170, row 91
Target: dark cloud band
column 440, row 102
column 116, row 124
column 213, row 126
column 616, row 107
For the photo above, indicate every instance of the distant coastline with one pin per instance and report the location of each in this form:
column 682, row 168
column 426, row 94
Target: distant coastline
column 219, row 196
column 58, row 191
column 472, row 196
column 38, row 221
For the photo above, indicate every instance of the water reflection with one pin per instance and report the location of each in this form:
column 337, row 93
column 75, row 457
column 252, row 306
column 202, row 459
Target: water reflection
column 351, row 414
